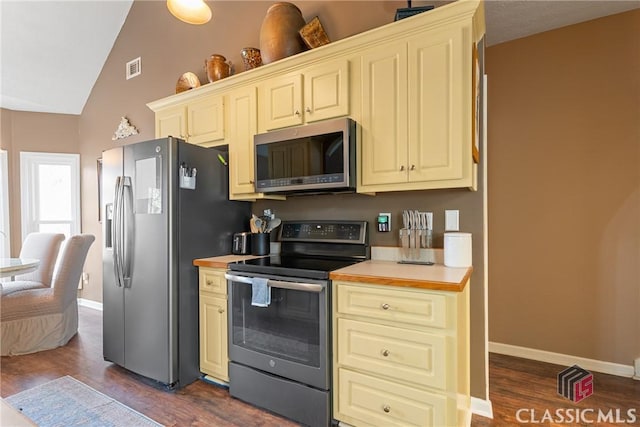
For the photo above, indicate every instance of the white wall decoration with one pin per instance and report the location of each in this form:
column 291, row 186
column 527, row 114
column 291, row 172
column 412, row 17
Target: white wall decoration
column 124, row 130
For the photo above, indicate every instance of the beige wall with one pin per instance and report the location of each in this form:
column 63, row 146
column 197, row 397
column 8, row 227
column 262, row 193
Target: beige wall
column 564, row 190
column 35, row 132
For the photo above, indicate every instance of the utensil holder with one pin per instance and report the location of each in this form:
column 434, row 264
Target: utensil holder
column 260, row 244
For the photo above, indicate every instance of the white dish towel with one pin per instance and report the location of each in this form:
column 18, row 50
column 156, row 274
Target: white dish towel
column 260, row 292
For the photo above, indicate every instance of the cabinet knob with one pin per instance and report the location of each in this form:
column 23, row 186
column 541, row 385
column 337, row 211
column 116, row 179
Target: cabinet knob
column 297, row 113
column 386, row 408
column 251, row 181
column 401, row 168
column 308, row 110
column 221, row 310
column 385, row 306
column 385, row 353
column 209, row 282
column 413, row 167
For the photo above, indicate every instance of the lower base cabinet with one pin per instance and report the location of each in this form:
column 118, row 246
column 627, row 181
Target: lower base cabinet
column 214, row 359
column 401, row 356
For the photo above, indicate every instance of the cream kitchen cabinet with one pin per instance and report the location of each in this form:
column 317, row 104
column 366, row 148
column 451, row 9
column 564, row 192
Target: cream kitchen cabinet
column 199, row 121
column 417, row 112
column 213, row 323
column 243, row 124
column 316, row 93
column 401, row 355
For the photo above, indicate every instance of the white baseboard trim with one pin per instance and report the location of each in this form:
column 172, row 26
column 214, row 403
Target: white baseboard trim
column 89, row 303
column 481, row 407
column 562, row 359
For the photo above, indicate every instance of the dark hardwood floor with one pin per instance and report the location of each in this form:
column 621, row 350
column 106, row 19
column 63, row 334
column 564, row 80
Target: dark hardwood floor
column 515, row 384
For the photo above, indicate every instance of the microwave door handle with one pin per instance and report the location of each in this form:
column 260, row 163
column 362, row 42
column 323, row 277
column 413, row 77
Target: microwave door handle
column 295, row 286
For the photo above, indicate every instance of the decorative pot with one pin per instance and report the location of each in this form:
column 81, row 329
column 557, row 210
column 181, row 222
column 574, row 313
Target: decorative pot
column 251, row 57
column 217, row 67
column 279, row 35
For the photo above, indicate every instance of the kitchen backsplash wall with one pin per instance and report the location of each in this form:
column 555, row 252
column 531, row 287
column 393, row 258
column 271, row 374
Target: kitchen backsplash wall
column 363, row 207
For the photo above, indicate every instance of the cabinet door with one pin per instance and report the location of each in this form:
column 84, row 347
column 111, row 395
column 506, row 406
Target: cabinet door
column 384, row 115
column 281, row 102
column 172, row 122
column 326, row 91
column 206, row 121
column 242, row 128
column 439, row 126
column 213, row 337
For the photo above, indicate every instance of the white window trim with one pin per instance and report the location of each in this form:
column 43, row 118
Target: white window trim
column 5, row 224
column 28, row 167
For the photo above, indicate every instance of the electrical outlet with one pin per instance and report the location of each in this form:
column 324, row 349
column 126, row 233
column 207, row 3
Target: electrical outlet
column 384, row 222
column 452, row 220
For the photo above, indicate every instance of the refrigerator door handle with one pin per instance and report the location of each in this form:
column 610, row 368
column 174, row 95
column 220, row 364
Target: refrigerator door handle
column 116, row 230
column 127, row 241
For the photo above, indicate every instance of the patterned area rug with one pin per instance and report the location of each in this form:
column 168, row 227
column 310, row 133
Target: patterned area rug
column 67, row 402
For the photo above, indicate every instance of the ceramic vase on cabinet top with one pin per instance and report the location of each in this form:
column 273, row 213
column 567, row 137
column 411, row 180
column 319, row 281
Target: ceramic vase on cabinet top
column 217, row 67
column 279, row 35
column 251, row 58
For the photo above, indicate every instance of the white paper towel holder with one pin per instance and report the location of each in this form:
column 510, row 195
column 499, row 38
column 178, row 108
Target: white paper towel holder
column 457, row 249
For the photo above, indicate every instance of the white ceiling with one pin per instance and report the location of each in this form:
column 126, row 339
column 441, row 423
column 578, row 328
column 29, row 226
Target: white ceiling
column 50, row 59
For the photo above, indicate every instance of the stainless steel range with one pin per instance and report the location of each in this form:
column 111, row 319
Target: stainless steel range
column 280, row 319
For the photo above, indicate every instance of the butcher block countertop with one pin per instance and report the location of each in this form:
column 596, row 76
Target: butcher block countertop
column 221, row 261
column 435, row 277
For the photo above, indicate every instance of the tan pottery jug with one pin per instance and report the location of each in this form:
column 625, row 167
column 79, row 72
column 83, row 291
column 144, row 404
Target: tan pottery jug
column 279, row 35
column 217, row 67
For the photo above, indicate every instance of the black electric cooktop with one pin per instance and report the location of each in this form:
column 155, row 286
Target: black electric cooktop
column 312, row 249
column 292, row 266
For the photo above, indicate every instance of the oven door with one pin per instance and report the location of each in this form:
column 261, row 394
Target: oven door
column 289, row 337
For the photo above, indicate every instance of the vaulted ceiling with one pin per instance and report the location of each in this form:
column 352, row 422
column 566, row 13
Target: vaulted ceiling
column 52, row 52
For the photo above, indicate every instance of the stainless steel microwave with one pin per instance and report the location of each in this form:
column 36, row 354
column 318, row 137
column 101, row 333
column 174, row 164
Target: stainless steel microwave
column 314, row 158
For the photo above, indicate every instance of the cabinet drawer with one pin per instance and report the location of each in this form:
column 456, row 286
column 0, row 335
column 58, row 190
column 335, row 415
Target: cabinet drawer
column 212, row 280
column 408, row 355
column 372, row 401
column 417, row 308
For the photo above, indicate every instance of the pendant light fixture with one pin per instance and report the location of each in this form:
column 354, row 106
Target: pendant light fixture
column 190, row 11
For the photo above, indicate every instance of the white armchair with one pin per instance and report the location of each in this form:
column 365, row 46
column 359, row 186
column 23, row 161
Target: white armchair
column 41, row 246
column 41, row 319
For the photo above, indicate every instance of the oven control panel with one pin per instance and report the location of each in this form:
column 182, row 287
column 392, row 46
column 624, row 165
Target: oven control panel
column 325, row 231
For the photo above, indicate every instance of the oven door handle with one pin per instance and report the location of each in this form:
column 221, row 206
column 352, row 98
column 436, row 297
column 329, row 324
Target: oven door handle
column 295, row 286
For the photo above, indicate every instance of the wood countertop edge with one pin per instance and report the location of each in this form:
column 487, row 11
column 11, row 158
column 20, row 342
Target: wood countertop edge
column 203, row 262
column 407, row 283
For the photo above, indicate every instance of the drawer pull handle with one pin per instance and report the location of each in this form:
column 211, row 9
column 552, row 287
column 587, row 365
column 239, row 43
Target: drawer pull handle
column 385, row 306
column 386, row 408
column 386, row 353
column 221, row 310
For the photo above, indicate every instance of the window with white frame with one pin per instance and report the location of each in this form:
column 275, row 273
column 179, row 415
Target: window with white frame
column 50, row 193
column 5, row 235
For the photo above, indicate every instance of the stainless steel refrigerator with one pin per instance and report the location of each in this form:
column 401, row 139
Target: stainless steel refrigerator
column 164, row 203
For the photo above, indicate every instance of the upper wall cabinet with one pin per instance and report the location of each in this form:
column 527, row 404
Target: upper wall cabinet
column 242, row 128
column 317, row 93
column 199, row 121
column 408, row 84
column 416, row 113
